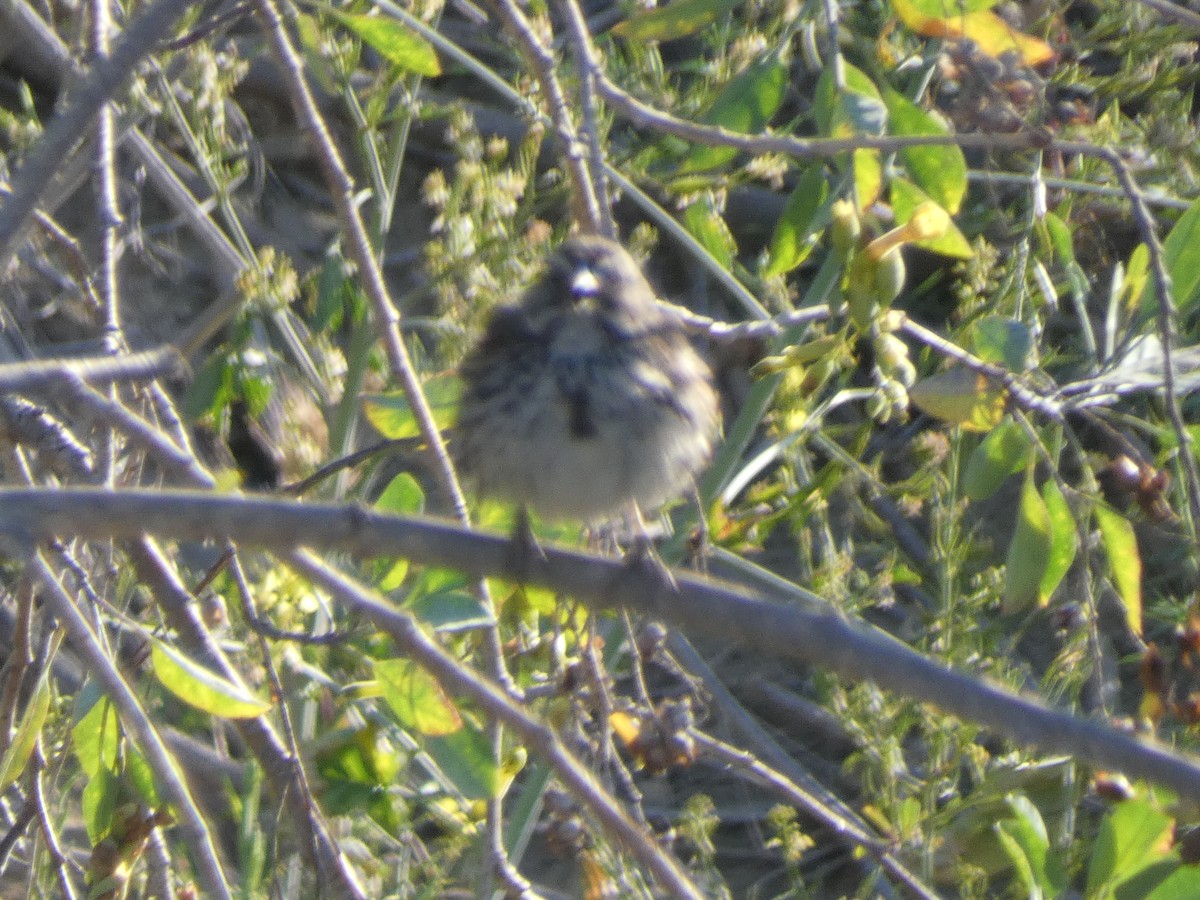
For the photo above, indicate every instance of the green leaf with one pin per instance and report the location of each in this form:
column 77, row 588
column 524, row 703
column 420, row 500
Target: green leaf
column 1124, row 561
column 450, row 611
column 96, row 735
column 1181, row 254
column 417, row 698
column 1061, row 238
column 395, row 42
column 402, row 497
column 804, row 216
column 23, row 741
column 1063, row 541
column 1004, row 341
column 1027, row 831
column 210, row 388
column 99, row 803
column 1029, row 551
column 141, row 776
column 1003, row 453
column 392, row 416
column 201, row 687
column 1134, row 835
column 745, row 105
column 941, row 171
column 961, row 397
column 857, row 110
column 466, row 758
column 674, row 20
column 706, row 225
column 1182, row 884
column 906, row 197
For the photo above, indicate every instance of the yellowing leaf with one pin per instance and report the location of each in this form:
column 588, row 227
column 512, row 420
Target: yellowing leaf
column 992, row 34
column 1124, row 561
column 201, row 687
column 868, row 177
column 627, row 727
column 416, row 698
column 961, row 397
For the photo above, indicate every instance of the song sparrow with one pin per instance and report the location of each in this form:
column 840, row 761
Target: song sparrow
column 585, row 401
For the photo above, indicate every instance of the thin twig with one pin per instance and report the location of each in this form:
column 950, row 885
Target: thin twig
column 581, row 46
column 586, row 206
column 36, row 376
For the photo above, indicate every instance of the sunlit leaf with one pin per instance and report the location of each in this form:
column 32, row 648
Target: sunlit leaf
column 403, row 496
column 940, row 171
column 96, row 736
column 1131, row 837
column 201, row 687
column 1004, row 341
column 21, row 745
column 99, row 803
column 868, row 176
column 394, row 41
column 1124, row 561
column 1137, row 277
column 961, row 397
column 906, row 199
column 745, row 105
column 990, row 33
column 799, row 227
column 705, row 224
column 1063, row 541
column 938, row 8
column 1003, row 453
column 416, row 698
column 1029, row 551
column 673, row 20
column 393, row 417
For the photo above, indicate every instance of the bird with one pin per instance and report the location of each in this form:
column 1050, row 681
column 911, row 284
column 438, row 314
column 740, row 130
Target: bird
column 585, row 401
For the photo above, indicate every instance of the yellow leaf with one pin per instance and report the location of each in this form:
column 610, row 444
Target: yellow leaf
column 992, row 34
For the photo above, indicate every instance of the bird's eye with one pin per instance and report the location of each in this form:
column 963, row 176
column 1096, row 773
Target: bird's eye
column 584, row 283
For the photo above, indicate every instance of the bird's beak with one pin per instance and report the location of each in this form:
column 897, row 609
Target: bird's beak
column 584, row 285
